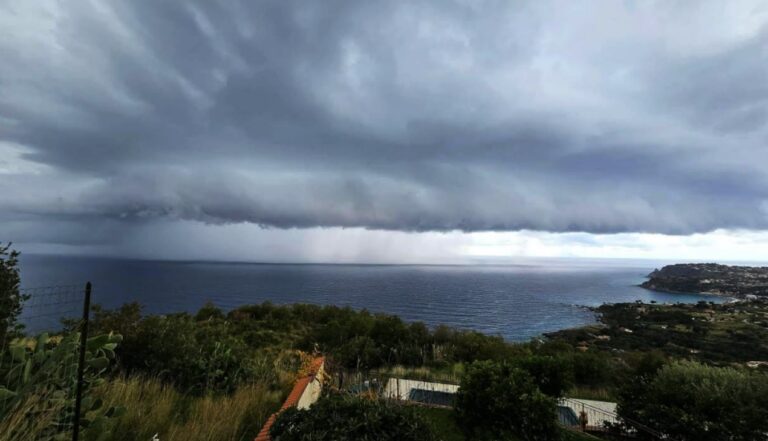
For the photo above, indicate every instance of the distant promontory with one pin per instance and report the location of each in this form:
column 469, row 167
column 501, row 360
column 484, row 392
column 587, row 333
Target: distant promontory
column 710, row 278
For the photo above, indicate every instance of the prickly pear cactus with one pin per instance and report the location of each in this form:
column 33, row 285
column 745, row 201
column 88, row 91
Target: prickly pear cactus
column 38, row 379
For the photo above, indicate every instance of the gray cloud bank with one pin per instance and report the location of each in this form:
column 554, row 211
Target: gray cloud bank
column 417, row 115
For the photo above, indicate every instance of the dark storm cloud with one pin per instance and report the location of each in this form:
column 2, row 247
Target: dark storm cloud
column 395, row 115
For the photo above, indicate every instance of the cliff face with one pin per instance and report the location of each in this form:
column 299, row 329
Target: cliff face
column 710, row 278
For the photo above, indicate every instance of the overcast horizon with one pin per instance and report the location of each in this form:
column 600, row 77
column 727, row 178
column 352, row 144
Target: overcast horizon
column 398, row 132
column 568, row 262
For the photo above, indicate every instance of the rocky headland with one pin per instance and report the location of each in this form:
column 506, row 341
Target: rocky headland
column 710, row 278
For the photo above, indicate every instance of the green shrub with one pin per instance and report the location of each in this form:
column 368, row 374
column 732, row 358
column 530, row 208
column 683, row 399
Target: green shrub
column 689, row 401
column 469, row 346
column 154, row 407
column 592, row 368
column 38, row 380
column 498, row 401
column 361, row 340
column 197, row 356
column 11, row 298
column 209, row 311
column 355, row 339
column 442, row 422
column 360, row 352
column 337, row 418
column 553, row 375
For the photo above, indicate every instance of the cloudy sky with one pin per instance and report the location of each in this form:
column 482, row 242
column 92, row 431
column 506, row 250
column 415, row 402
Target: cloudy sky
column 413, row 131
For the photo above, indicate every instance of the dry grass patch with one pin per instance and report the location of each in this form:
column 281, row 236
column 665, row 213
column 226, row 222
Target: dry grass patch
column 17, row 425
column 155, row 408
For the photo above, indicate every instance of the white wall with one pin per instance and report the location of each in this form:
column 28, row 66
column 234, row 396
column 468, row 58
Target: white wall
column 313, row 389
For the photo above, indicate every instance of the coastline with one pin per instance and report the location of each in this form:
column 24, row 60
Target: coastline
column 698, row 293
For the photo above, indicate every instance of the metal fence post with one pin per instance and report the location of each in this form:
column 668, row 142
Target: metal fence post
column 81, row 361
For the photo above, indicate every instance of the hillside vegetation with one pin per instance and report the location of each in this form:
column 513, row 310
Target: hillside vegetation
column 217, row 375
column 710, row 278
column 721, row 334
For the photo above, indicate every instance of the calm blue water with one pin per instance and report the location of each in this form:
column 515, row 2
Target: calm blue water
column 517, row 302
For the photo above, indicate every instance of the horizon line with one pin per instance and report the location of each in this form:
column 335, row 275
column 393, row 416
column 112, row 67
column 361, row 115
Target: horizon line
column 507, row 261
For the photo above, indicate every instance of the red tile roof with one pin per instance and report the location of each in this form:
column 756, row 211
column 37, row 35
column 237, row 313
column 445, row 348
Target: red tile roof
column 293, row 397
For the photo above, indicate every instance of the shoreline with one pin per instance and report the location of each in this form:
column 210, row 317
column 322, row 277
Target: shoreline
column 696, row 293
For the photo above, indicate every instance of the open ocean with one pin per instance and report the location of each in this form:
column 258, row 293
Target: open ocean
column 516, row 301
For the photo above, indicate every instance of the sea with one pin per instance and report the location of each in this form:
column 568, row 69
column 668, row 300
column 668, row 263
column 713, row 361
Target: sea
column 518, row 301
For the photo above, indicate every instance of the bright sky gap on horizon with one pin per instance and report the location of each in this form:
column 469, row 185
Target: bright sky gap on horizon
column 394, row 132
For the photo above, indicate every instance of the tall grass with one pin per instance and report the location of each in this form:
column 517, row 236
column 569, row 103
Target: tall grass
column 154, row 408
column 29, row 420
column 449, row 374
column 591, row 393
column 237, row 417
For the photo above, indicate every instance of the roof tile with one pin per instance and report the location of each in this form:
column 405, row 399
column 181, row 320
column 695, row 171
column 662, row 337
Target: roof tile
column 293, row 397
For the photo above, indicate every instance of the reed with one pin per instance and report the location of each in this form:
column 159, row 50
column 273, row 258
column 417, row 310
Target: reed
column 29, row 420
column 154, row 408
column 591, row 393
column 229, row 418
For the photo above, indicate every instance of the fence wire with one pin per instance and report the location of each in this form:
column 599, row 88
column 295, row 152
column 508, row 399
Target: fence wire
column 39, row 365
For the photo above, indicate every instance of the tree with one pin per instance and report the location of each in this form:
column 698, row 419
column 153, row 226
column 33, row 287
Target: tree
column 338, row 418
column 689, row 401
column 497, row 401
column 209, row 311
column 592, row 368
column 197, row 356
column 553, row 375
column 11, row 298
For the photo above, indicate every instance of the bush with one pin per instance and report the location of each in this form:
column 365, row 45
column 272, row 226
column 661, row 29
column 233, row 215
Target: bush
column 209, row 311
column 553, row 375
column 469, row 346
column 592, row 368
column 691, row 401
column 10, row 298
column 153, row 407
column 355, row 339
column 337, row 418
column 37, row 382
column 196, row 356
column 498, row 401
column 359, row 353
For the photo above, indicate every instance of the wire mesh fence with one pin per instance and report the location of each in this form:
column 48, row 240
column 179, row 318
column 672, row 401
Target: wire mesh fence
column 51, row 308
column 41, row 365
